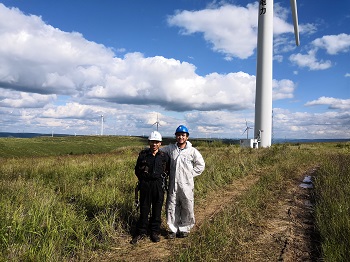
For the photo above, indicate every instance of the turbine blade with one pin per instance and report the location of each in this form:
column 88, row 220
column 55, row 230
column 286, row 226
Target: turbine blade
column 293, row 4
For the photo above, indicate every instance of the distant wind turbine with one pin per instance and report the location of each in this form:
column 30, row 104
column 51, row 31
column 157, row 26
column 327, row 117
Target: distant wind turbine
column 102, row 120
column 263, row 95
column 157, row 123
column 247, row 129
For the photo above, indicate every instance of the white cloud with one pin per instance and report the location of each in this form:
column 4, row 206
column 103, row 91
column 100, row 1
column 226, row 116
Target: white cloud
column 333, row 44
column 333, row 103
column 38, row 58
column 232, row 30
column 14, row 99
column 283, row 89
column 310, row 61
column 72, row 110
column 220, row 120
column 174, row 85
column 56, row 62
column 311, row 125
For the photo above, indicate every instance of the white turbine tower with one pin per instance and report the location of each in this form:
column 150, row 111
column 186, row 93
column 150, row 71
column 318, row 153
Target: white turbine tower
column 263, row 95
column 102, row 125
column 247, row 129
column 157, row 123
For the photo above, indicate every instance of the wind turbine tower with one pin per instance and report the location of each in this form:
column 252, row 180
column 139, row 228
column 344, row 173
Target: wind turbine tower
column 247, row 129
column 263, row 95
column 102, row 120
column 157, row 123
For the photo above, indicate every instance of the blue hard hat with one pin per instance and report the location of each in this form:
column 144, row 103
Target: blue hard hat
column 182, row 129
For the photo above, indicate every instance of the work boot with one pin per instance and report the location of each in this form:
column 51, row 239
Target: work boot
column 182, row 234
column 137, row 238
column 155, row 237
column 171, row 235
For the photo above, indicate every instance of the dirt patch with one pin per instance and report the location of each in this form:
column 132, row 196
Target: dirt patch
column 302, row 242
column 287, row 233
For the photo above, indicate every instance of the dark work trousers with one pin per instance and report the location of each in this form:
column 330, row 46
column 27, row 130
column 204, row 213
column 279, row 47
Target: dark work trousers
column 151, row 195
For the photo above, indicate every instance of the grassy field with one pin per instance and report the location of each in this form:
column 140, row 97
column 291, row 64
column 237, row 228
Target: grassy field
column 69, row 145
column 64, row 198
column 230, row 235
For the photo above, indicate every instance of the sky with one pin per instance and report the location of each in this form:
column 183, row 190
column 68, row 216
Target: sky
column 105, row 67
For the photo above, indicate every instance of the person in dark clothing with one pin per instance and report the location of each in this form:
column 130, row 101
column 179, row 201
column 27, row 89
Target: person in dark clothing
column 151, row 169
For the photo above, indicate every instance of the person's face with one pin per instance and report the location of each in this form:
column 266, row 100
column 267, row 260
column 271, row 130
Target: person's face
column 154, row 145
column 181, row 138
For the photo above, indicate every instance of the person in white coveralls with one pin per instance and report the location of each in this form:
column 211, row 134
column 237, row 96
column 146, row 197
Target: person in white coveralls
column 186, row 162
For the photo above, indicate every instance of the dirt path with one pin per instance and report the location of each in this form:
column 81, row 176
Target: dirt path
column 149, row 251
column 301, row 242
column 286, row 235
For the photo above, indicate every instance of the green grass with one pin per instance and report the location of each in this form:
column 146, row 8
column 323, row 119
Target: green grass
column 70, row 145
column 64, row 207
column 333, row 207
column 63, row 199
column 227, row 236
column 37, row 225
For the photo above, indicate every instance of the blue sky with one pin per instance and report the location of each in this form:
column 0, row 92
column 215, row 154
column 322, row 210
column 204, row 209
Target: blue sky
column 192, row 62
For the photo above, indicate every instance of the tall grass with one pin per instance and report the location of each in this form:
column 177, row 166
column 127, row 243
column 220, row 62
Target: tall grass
column 36, row 225
column 227, row 236
column 333, row 207
column 59, row 208
column 62, row 206
column 223, row 165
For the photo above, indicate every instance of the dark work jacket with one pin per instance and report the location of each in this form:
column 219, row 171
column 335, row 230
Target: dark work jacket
column 149, row 167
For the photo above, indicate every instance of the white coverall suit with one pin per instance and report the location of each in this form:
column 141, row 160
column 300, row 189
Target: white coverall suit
column 185, row 164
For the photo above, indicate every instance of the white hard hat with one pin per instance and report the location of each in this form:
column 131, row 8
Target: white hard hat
column 155, row 135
